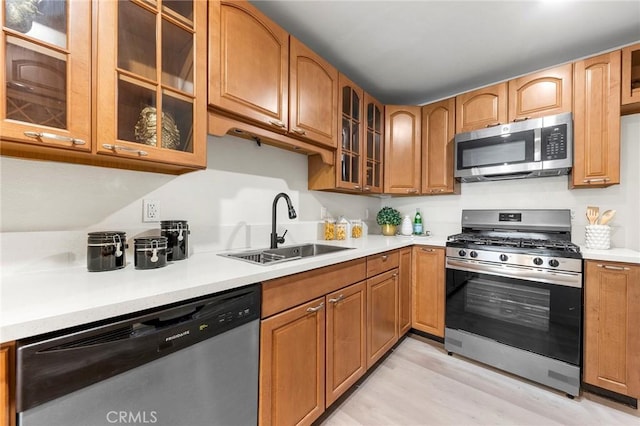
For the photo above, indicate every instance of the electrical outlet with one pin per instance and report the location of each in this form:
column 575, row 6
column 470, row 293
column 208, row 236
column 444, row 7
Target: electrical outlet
column 150, row 211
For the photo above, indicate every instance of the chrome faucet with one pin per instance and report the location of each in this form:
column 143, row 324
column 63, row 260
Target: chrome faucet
column 275, row 239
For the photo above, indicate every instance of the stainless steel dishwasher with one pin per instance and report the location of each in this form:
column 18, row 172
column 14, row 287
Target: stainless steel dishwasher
column 192, row 364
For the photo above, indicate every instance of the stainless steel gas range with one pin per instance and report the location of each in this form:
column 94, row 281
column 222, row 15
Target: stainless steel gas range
column 514, row 294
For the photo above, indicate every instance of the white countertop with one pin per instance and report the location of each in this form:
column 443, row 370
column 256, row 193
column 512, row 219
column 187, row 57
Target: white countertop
column 36, row 303
column 41, row 302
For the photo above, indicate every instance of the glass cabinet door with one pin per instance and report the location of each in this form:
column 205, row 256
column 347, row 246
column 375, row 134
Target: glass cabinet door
column 46, row 79
column 153, row 89
column 349, row 154
column 373, row 164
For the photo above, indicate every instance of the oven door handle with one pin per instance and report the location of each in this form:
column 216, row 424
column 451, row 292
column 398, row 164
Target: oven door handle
column 569, row 279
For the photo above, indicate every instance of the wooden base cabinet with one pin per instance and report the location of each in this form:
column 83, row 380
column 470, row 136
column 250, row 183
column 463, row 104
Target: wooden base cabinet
column 292, row 359
column 404, row 291
column 428, row 290
column 346, row 336
column 612, row 335
column 596, row 122
column 382, row 314
column 7, row 385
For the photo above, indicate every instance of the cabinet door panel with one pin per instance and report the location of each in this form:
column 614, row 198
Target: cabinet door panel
column 346, row 338
column 438, row 127
column 402, row 150
column 612, row 336
column 543, row 93
column 382, row 315
column 481, row 108
column 631, row 76
column 248, row 64
column 292, row 359
column 313, row 100
column 596, row 121
column 45, row 87
column 373, row 164
column 428, row 290
column 404, row 292
column 349, row 153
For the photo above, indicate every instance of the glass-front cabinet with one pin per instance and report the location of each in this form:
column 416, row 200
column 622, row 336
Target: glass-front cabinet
column 46, row 80
column 349, row 153
column 150, row 69
column 374, row 133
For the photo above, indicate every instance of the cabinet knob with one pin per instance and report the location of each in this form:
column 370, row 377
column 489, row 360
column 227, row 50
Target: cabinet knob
column 366, row 188
column 384, row 257
column 613, row 268
column 316, row 308
column 45, row 135
column 597, row 180
column 337, row 299
column 116, row 148
column 356, row 187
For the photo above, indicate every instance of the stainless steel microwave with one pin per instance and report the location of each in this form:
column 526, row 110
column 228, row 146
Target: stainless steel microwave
column 531, row 148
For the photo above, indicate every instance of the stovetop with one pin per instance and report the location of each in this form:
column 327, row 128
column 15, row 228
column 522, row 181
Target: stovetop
column 479, row 240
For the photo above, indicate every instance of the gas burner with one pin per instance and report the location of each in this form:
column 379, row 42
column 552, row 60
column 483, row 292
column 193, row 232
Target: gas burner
column 480, row 239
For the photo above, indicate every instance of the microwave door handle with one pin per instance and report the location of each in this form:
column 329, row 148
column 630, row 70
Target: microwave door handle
column 537, row 144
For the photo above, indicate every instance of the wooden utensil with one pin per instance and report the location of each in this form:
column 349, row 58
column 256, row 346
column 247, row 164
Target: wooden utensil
column 606, row 217
column 592, row 214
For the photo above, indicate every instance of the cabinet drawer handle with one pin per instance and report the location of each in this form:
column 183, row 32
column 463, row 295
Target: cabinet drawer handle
column 356, row 187
column 337, row 299
column 493, row 124
column 315, row 309
column 366, row 188
column 437, row 190
column 412, row 191
column 596, row 180
column 298, row 131
column 276, row 123
column 429, row 250
column 116, row 148
column 515, row 120
column 613, row 268
column 44, row 135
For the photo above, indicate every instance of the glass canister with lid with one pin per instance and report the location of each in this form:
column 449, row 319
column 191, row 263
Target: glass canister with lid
column 177, row 233
column 106, row 251
column 150, row 252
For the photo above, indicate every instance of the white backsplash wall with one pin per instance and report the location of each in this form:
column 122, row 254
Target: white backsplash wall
column 441, row 214
column 46, row 208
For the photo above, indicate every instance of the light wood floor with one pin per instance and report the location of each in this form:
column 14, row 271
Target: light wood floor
column 419, row 384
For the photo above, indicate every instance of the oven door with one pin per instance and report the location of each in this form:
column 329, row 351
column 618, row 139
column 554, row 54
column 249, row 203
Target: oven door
column 531, row 309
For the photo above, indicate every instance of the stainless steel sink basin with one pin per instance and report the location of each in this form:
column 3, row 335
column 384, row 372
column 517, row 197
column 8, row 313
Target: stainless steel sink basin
column 284, row 254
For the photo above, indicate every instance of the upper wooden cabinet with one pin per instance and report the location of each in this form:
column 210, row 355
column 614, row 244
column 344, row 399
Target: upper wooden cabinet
column 150, row 81
column 596, row 121
column 313, row 97
column 438, row 130
column 402, row 160
column 373, row 163
column 248, row 64
column 631, row 79
column 612, row 336
column 428, row 290
column 546, row 92
column 481, row 108
column 46, row 83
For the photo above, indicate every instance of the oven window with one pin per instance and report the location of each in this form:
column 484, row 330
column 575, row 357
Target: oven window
column 524, row 306
column 542, row 318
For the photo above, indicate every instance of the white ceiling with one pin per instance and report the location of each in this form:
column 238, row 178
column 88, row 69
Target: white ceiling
column 415, row 52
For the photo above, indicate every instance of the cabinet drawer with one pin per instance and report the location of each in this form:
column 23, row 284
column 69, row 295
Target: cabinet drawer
column 378, row 263
column 283, row 293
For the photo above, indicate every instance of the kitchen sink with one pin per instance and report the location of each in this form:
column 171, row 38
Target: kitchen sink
column 284, row 254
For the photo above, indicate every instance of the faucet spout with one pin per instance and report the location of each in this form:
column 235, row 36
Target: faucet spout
column 275, row 239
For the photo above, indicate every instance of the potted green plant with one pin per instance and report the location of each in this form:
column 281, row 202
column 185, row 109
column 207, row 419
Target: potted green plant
column 389, row 218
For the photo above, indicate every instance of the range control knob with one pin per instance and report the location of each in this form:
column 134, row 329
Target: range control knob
column 473, row 254
column 462, row 253
column 554, row 263
column 537, row 261
column 504, row 257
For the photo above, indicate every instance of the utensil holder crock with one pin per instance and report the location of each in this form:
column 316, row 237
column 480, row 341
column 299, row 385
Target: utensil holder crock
column 598, row 237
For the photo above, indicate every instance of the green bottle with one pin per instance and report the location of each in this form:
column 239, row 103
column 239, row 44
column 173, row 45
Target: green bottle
column 417, row 223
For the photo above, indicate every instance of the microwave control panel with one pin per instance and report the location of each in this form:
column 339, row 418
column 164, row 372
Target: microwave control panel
column 554, row 142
